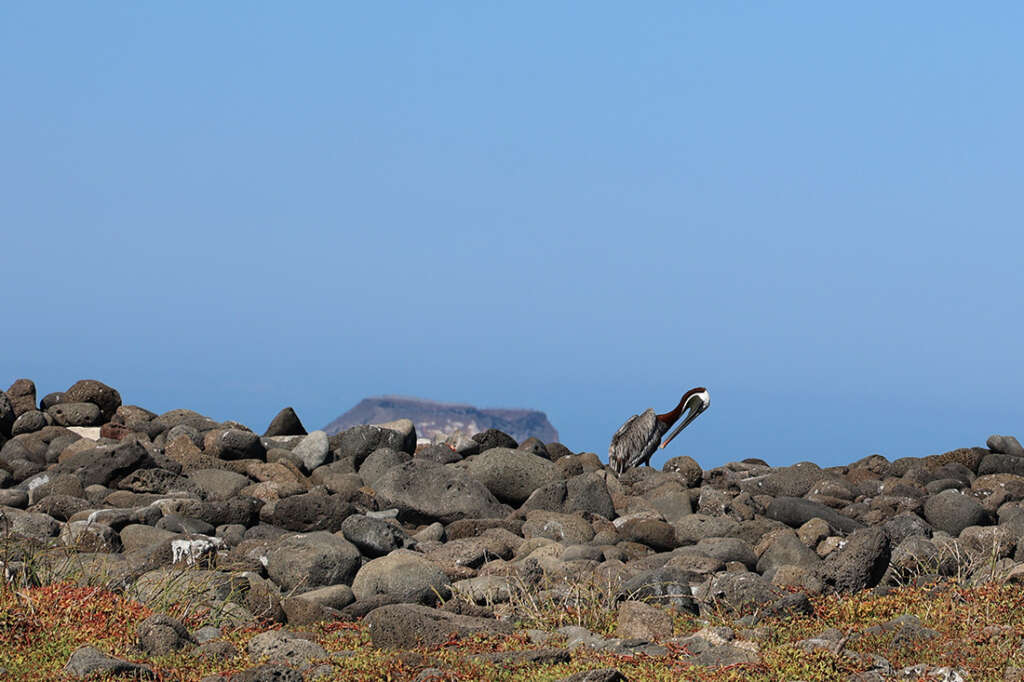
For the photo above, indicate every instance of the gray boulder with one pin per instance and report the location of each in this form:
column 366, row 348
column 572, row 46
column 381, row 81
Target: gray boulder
column 667, row 586
column 379, row 461
column 313, row 450
column 30, row 524
column 373, row 537
column 403, row 626
column 511, row 475
column 218, row 484
column 402, row 576
column 494, row 438
column 87, row 661
column 75, row 414
column 358, row 442
column 688, row 469
column 97, row 393
column 858, row 564
column 796, row 511
column 1007, row 445
column 692, row 528
column 233, row 444
column 309, row 512
column 792, row 481
column 786, row 549
column 284, row 647
column 104, row 464
column 423, row 492
column 728, row 549
column 905, row 525
column 160, row 634
column 570, row 529
column 29, row 422
column 1001, row 464
column 285, row 423
column 22, row 395
column 583, row 493
column 952, row 511
column 739, row 593
column 306, row 562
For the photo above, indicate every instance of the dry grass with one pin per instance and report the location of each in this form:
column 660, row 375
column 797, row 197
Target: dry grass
column 981, row 630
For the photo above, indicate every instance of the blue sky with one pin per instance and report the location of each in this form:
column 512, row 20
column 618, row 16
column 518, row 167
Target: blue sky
column 586, row 208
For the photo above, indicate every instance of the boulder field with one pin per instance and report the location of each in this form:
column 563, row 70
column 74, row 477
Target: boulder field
column 424, row 543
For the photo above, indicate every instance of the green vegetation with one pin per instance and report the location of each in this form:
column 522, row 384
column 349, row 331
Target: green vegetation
column 981, row 630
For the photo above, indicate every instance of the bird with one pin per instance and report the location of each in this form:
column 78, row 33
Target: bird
column 637, row 439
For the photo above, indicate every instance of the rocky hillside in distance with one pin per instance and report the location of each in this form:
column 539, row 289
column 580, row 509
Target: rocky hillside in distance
column 434, row 419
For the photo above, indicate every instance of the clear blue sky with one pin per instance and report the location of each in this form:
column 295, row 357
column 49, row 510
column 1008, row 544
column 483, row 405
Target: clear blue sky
column 586, row 208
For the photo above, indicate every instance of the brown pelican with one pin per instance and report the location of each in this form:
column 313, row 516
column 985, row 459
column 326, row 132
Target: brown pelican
column 634, row 443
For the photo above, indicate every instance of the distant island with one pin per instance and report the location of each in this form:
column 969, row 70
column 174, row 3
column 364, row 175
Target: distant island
column 436, row 419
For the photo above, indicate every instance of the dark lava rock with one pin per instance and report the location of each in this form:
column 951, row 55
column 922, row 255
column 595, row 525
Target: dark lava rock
column 359, row 441
column 511, row 475
column 860, row 563
column 168, row 420
column 728, row 549
column 1001, row 464
column 424, row 491
column 286, row 647
column 373, row 537
column 556, row 450
column 87, row 661
column 97, row 393
column 22, row 395
column 796, row 511
column 792, row 481
column 535, row 446
column 379, row 461
column 310, row 512
column 51, row 399
column 403, row 626
column 306, row 562
column 7, row 415
column 29, row 421
column 1007, row 445
column 233, row 444
column 583, row 493
column 493, row 438
column 285, row 423
column 439, row 453
column 905, row 525
column 786, row 549
column 160, row 634
column 952, row 511
column 104, row 465
column 739, row 593
column 667, row 586
column 75, row 414
column 687, row 468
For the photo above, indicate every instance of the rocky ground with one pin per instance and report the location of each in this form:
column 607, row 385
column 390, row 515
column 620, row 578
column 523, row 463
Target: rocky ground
column 186, row 548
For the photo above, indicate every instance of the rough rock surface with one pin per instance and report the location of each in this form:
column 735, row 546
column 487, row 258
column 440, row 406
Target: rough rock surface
column 303, row 528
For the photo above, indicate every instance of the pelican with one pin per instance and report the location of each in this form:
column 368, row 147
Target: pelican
column 634, row 443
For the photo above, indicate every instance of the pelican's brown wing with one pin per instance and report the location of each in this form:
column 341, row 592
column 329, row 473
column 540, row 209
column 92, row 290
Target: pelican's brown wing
column 635, row 442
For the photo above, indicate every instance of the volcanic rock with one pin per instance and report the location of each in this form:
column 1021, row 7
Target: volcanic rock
column 422, row 490
column 511, row 475
column 407, row 625
column 402, row 576
column 302, row 563
column 285, row 423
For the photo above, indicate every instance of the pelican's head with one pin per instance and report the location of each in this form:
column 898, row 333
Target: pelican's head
column 696, row 400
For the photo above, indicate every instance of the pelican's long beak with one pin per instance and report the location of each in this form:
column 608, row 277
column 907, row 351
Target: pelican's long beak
column 694, row 411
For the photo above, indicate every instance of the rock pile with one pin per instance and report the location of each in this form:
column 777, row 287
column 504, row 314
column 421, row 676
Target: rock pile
column 433, row 542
